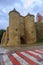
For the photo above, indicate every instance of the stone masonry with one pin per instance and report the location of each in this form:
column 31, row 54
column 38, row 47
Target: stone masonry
column 21, row 30
column 30, row 32
column 14, row 34
column 5, row 37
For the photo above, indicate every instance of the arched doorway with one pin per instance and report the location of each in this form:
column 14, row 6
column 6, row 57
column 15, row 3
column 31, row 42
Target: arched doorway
column 22, row 40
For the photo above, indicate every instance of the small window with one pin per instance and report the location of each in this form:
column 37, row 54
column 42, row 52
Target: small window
column 16, row 29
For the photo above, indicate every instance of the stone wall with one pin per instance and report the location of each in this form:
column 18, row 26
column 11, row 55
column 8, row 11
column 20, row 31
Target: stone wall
column 22, row 35
column 5, row 37
column 30, row 32
column 39, row 30
column 14, row 34
column 21, row 30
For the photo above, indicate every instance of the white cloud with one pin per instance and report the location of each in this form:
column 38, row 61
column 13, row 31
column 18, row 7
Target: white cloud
column 0, row 13
column 17, row 6
column 4, row 10
column 0, row 21
column 29, row 3
column 3, row 24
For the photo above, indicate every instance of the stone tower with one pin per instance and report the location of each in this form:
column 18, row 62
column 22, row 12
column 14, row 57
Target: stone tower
column 21, row 30
column 14, row 34
column 30, row 32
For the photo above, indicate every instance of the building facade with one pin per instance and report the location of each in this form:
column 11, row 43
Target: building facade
column 21, row 30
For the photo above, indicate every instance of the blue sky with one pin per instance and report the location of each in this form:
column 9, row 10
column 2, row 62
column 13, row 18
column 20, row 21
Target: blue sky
column 23, row 6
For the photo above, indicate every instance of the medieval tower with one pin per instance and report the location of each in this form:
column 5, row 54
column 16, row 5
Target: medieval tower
column 14, row 34
column 21, row 30
column 30, row 32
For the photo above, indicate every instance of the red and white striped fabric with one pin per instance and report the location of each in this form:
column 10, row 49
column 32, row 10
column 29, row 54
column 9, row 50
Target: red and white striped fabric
column 28, row 57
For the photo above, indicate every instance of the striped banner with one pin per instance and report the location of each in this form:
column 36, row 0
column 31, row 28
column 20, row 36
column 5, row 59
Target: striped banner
column 28, row 57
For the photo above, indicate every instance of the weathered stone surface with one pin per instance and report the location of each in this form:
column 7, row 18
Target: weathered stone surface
column 22, row 30
column 39, row 30
column 21, row 26
column 14, row 34
column 30, row 32
column 22, row 35
column 6, row 38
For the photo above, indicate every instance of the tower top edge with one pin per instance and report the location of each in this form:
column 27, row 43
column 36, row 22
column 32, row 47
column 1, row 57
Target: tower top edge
column 14, row 10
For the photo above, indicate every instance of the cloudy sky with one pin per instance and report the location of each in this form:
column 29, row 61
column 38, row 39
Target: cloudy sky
column 23, row 6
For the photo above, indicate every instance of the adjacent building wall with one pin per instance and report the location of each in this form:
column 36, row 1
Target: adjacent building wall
column 5, row 38
column 39, row 30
